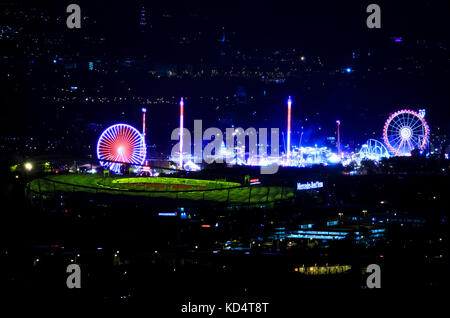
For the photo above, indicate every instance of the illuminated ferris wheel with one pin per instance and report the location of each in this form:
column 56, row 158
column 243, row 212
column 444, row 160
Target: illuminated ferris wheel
column 404, row 131
column 120, row 144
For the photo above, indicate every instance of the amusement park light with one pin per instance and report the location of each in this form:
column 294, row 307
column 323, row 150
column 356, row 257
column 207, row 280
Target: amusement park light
column 334, row 158
column 289, row 104
column 338, row 122
column 28, row 166
column 404, row 131
column 120, row 144
column 181, row 130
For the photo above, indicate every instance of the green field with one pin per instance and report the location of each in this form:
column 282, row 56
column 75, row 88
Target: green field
column 162, row 187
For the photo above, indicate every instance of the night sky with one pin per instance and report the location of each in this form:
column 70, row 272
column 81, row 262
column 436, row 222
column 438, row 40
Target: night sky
column 331, row 31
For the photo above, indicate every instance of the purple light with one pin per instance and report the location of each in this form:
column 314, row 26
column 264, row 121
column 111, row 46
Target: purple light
column 123, row 143
column 181, row 130
column 289, row 104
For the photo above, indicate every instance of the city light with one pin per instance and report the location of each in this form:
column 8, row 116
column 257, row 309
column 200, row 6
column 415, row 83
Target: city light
column 309, row 185
column 167, row 213
column 28, row 166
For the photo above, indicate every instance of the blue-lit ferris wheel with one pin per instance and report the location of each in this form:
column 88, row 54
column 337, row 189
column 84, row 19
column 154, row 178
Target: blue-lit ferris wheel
column 404, row 131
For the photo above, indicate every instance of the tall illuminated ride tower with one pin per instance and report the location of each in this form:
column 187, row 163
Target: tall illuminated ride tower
column 144, row 111
column 181, row 131
column 289, row 105
column 338, row 122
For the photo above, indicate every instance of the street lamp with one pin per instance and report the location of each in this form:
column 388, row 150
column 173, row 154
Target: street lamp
column 28, row 166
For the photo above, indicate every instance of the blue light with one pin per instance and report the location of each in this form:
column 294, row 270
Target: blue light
column 167, row 214
column 309, row 185
column 348, row 70
column 334, row 158
column 54, row 61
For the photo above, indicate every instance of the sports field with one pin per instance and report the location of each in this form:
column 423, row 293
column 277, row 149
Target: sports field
column 162, row 187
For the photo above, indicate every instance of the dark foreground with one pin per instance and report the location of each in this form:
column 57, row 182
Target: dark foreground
column 128, row 253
